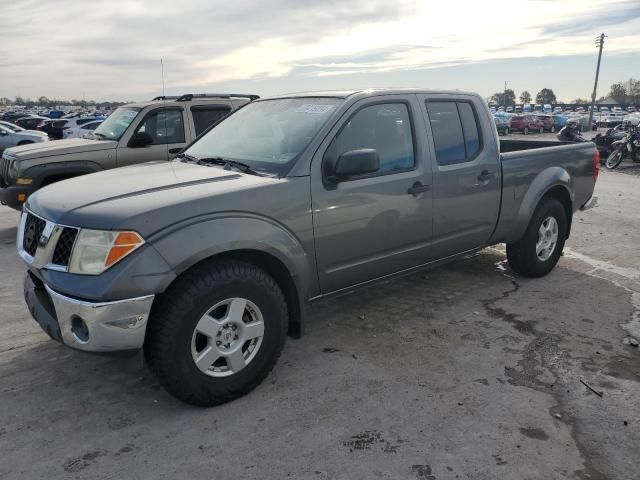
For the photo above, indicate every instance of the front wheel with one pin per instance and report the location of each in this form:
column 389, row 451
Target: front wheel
column 615, row 158
column 217, row 332
column 539, row 249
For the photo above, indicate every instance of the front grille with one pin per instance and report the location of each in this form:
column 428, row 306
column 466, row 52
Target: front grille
column 62, row 253
column 5, row 163
column 33, row 228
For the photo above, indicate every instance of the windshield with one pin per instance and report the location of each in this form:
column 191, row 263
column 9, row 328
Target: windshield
column 117, row 123
column 267, row 135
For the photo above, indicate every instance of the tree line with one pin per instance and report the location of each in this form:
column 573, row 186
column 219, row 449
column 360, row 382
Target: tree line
column 626, row 93
column 55, row 102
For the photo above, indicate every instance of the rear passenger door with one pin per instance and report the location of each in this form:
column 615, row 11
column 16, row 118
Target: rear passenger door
column 466, row 172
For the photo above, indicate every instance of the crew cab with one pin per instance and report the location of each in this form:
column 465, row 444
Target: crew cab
column 206, row 262
column 135, row 133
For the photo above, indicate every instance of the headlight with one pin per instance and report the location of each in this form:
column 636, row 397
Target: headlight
column 97, row 250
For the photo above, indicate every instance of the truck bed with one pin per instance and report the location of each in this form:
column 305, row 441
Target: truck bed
column 530, row 168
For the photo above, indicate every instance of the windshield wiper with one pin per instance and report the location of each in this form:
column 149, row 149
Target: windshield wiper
column 225, row 162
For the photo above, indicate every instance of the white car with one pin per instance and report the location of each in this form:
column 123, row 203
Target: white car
column 72, row 123
column 14, row 136
column 81, row 131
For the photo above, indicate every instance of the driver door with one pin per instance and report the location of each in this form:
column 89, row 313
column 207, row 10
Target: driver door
column 165, row 126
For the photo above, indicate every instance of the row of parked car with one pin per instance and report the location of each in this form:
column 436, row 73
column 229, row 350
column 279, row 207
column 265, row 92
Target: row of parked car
column 528, row 123
column 22, row 129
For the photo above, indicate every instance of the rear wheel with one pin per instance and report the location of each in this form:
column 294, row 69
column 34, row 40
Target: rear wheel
column 541, row 130
column 539, row 249
column 614, row 159
column 526, row 130
column 506, row 131
column 217, row 332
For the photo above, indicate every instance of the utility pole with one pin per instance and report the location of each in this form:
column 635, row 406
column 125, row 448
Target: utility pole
column 600, row 44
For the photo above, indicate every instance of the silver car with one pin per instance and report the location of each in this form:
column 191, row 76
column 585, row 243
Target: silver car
column 11, row 135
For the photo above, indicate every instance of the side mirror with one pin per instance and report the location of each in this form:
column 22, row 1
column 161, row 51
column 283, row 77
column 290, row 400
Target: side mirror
column 140, row 139
column 357, row 162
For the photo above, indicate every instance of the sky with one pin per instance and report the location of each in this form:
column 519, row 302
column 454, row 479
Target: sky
column 111, row 50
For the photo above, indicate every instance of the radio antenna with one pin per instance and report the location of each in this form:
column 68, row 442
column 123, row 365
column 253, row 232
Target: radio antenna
column 162, row 75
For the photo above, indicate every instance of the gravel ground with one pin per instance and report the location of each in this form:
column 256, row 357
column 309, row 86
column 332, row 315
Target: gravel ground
column 466, row 371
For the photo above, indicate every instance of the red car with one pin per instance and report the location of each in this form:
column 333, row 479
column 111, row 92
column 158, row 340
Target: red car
column 526, row 124
column 547, row 122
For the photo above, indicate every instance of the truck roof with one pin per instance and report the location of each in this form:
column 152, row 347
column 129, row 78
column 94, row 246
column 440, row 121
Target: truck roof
column 367, row 92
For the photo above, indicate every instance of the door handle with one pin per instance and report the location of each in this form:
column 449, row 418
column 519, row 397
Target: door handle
column 485, row 176
column 175, row 150
column 418, row 188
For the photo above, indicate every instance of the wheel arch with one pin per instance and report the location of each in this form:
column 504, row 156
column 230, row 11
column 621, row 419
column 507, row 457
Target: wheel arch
column 554, row 182
column 273, row 266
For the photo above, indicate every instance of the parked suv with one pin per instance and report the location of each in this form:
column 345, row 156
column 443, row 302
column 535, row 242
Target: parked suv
column 135, row 133
column 526, row 124
column 547, row 122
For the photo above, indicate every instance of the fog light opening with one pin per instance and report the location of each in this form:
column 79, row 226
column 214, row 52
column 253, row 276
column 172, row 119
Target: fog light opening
column 79, row 329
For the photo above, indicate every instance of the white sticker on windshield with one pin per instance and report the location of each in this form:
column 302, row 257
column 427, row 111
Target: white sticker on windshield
column 129, row 113
column 314, row 108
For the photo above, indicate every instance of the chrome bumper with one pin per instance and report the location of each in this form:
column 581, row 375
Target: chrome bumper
column 592, row 202
column 93, row 327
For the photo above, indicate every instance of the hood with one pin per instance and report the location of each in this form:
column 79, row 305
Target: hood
column 109, row 199
column 59, row 147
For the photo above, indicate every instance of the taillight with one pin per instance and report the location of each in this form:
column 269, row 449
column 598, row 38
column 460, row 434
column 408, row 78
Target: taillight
column 596, row 164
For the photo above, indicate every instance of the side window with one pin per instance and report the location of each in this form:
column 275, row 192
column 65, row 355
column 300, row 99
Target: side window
column 165, row 126
column 470, row 129
column 204, row 116
column 82, row 121
column 456, row 135
column 387, row 129
column 447, row 132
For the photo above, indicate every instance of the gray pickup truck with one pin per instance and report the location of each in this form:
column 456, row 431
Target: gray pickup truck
column 134, row 133
column 207, row 261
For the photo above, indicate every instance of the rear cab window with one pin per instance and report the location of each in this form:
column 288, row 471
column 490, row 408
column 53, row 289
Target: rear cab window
column 206, row 115
column 455, row 131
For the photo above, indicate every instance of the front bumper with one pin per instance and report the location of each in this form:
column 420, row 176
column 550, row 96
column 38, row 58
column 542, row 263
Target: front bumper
column 592, row 202
column 10, row 195
column 90, row 326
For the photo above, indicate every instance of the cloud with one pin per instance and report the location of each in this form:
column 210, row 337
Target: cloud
column 113, row 48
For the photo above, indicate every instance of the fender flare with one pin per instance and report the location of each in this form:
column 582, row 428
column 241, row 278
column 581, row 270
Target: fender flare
column 194, row 240
column 544, row 182
column 39, row 173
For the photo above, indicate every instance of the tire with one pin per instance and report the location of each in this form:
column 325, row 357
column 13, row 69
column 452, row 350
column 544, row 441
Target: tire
column 523, row 256
column 506, row 131
column 173, row 340
column 541, row 130
column 553, row 129
column 525, row 131
column 615, row 158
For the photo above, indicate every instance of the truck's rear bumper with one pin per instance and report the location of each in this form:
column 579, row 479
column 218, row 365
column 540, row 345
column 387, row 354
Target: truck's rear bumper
column 592, row 202
column 93, row 327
